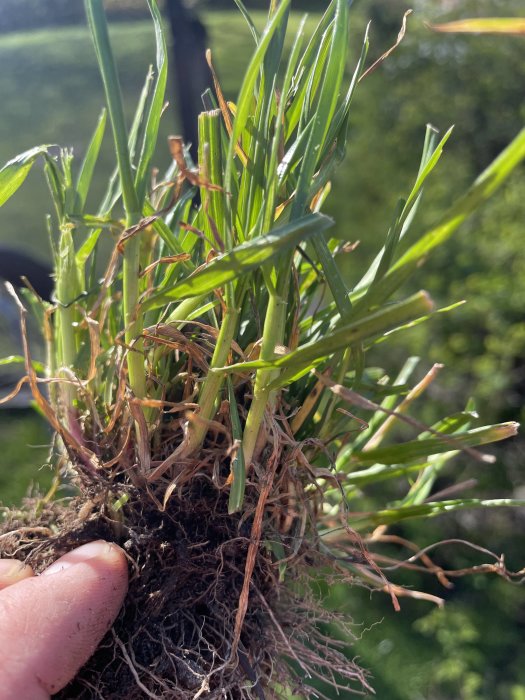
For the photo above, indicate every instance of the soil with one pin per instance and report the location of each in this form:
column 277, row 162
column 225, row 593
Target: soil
column 175, row 633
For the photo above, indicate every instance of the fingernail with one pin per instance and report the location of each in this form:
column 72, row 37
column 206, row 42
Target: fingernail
column 93, row 550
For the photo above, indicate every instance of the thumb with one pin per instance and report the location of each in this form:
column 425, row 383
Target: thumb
column 51, row 624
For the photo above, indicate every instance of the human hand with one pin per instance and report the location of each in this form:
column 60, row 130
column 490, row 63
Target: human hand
column 51, row 624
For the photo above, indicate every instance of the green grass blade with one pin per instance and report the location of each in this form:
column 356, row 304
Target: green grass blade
column 406, row 209
column 380, row 472
column 389, row 402
column 326, row 105
column 294, row 154
column 273, row 168
column 245, row 98
column 483, row 188
column 392, row 239
column 21, row 360
column 335, row 281
column 309, row 354
column 210, row 165
column 56, row 184
column 156, row 106
column 136, row 136
column 68, row 289
column 99, row 30
column 249, row 21
column 87, row 248
column 254, row 192
column 336, row 140
column 15, row 171
column 422, row 486
column 242, row 259
column 418, row 449
column 343, row 111
column 324, row 112
column 88, row 164
column 389, row 516
column 303, row 70
column 166, row 234
column 113, row 190
column 455, row 423
column 384, row 259
column 132, row 322
column 429, row 162
column 384, row 320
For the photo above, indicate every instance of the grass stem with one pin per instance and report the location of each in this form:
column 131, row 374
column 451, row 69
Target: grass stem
column 133, row 323
column 262, row 396
column 213, row 382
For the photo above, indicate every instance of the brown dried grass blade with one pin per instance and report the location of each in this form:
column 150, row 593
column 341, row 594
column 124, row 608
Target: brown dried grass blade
column 166, row 260
column 255, row 540
column 86, row 456
column 225, row 110
column 412, row 395
column 15, row 391
column 384, row 56
column 176, row 146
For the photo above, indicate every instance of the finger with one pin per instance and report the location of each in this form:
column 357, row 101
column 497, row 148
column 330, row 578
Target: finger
column 12, row 571
column 51, row 624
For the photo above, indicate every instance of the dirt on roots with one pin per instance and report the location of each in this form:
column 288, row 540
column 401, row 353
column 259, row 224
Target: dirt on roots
column 175, row 636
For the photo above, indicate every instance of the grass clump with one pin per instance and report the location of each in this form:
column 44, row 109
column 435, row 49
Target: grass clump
column 210, row 394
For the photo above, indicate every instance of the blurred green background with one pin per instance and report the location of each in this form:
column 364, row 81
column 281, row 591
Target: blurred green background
column 50, row 92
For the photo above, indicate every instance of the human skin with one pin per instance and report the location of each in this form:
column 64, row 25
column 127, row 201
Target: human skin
column 52, row 623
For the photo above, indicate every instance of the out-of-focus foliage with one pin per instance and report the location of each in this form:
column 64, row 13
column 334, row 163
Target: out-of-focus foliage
column 25, row 446
column 19, row 15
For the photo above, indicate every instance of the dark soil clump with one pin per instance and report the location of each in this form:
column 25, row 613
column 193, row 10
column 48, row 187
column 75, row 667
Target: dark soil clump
column 175, row 633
